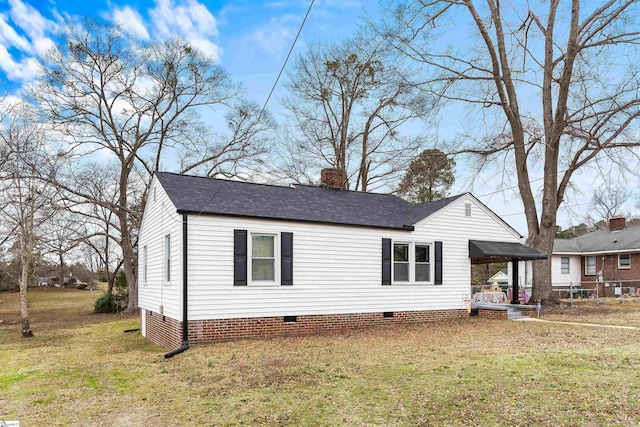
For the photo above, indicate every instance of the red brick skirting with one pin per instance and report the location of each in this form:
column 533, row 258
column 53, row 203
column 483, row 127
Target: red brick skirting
column 167, row 332
column 492, row 314
column 162, row 330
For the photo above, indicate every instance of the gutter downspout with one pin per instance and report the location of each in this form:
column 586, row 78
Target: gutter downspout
column 185, row 306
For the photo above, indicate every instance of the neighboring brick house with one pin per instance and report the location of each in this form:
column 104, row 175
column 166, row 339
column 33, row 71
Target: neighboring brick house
column 604, row 259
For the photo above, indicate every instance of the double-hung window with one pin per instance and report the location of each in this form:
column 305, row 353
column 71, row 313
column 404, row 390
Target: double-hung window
column 263, row 258
column 590, row 266
column 412, row 262
column 624, row 261
column 423, row 264
column 401, row 267
column 564, row 265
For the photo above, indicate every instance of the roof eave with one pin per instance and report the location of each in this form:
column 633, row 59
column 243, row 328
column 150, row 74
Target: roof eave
column 616, row 251
column 405, row 227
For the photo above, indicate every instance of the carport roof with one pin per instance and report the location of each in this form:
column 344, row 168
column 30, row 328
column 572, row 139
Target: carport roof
column 481, row 251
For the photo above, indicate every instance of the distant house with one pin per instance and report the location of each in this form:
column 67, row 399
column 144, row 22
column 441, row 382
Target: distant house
column 604, row 259
column 222, row 259
column 499, row 280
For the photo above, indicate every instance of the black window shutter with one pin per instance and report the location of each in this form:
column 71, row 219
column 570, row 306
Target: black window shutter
column 438, row 274
column 240, row 257
column 386, row 261
column 286, row 259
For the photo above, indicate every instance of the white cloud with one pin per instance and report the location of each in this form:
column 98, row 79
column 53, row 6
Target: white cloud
column 131, row 21
column 25, row 69
column 189, row 19
column 30, row 20
column 23, row 36
column 9, row 37
column 207, row 46
column 276, row 35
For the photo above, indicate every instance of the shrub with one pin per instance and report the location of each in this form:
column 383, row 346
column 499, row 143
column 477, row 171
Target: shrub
column 105, row 304
column 121, row 292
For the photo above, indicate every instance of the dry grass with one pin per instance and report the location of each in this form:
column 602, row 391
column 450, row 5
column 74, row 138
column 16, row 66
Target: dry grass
column 80, row 369
column 609, row 311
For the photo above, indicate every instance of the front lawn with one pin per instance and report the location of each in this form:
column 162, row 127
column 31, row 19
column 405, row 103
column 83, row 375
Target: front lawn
column 81, row 369
column 608, row 311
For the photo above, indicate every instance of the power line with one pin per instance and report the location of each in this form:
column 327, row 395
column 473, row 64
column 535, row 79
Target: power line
column 273, row 88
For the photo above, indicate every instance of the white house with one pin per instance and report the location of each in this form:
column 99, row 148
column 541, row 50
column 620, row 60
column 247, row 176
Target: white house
column 222, row 259
column 498, row 280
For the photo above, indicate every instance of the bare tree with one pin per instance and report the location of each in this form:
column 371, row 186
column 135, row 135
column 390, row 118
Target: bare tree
column 26, row 201
column 607, row 201
column 557, row 83
column 62, row 234
column 138, row 105
column 349, row 101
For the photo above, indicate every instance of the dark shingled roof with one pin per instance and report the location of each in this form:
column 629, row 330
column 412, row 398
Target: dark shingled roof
column 193, row 194
column 601, row 241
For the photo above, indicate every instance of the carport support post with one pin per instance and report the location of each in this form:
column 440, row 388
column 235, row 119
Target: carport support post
column 515, row 299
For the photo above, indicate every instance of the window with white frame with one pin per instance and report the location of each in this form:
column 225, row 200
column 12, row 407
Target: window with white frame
column 167, row 257
column 590, row 266
column 412, row 263
column 263, row 257
column 144, row 264
column 564, row 265
column 423, row 264
column 624, row 261
column 401, row 266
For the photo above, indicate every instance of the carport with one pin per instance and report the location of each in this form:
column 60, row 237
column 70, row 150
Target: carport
column 486, row 252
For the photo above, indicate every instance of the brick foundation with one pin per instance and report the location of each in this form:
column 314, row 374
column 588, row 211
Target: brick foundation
column 163, row 331
column 528, row 311
column 492, row 314
column 167, row 332
column 503, row 314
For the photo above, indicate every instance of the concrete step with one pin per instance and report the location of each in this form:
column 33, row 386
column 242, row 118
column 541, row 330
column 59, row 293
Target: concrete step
column 513, row 314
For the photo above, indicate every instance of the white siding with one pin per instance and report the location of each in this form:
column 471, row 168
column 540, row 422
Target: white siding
column 143, row 322
column 336, row 269
column 159, row 220
column 563, row 280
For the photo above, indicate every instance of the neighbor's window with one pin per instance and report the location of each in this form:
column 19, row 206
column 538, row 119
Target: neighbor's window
column 423, row 266
column 624, row 261
column 263, row 258
column 167, row 252
column 144, row 264
column 564, row 265
column 590, row 266
column 401, row 262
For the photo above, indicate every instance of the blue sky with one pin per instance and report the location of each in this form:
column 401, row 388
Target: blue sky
column 249, row 38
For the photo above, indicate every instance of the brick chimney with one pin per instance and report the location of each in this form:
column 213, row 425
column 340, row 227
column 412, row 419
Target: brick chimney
column 331, row 177
column 616, row 223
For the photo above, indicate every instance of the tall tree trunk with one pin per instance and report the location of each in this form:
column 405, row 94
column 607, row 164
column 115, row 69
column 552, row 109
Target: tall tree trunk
column 542, row 289
column 126, row 244
column 24, row 281
column 128, row 264
column 61, row 267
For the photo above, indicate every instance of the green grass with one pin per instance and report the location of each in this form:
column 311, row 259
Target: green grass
column 81, row 369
